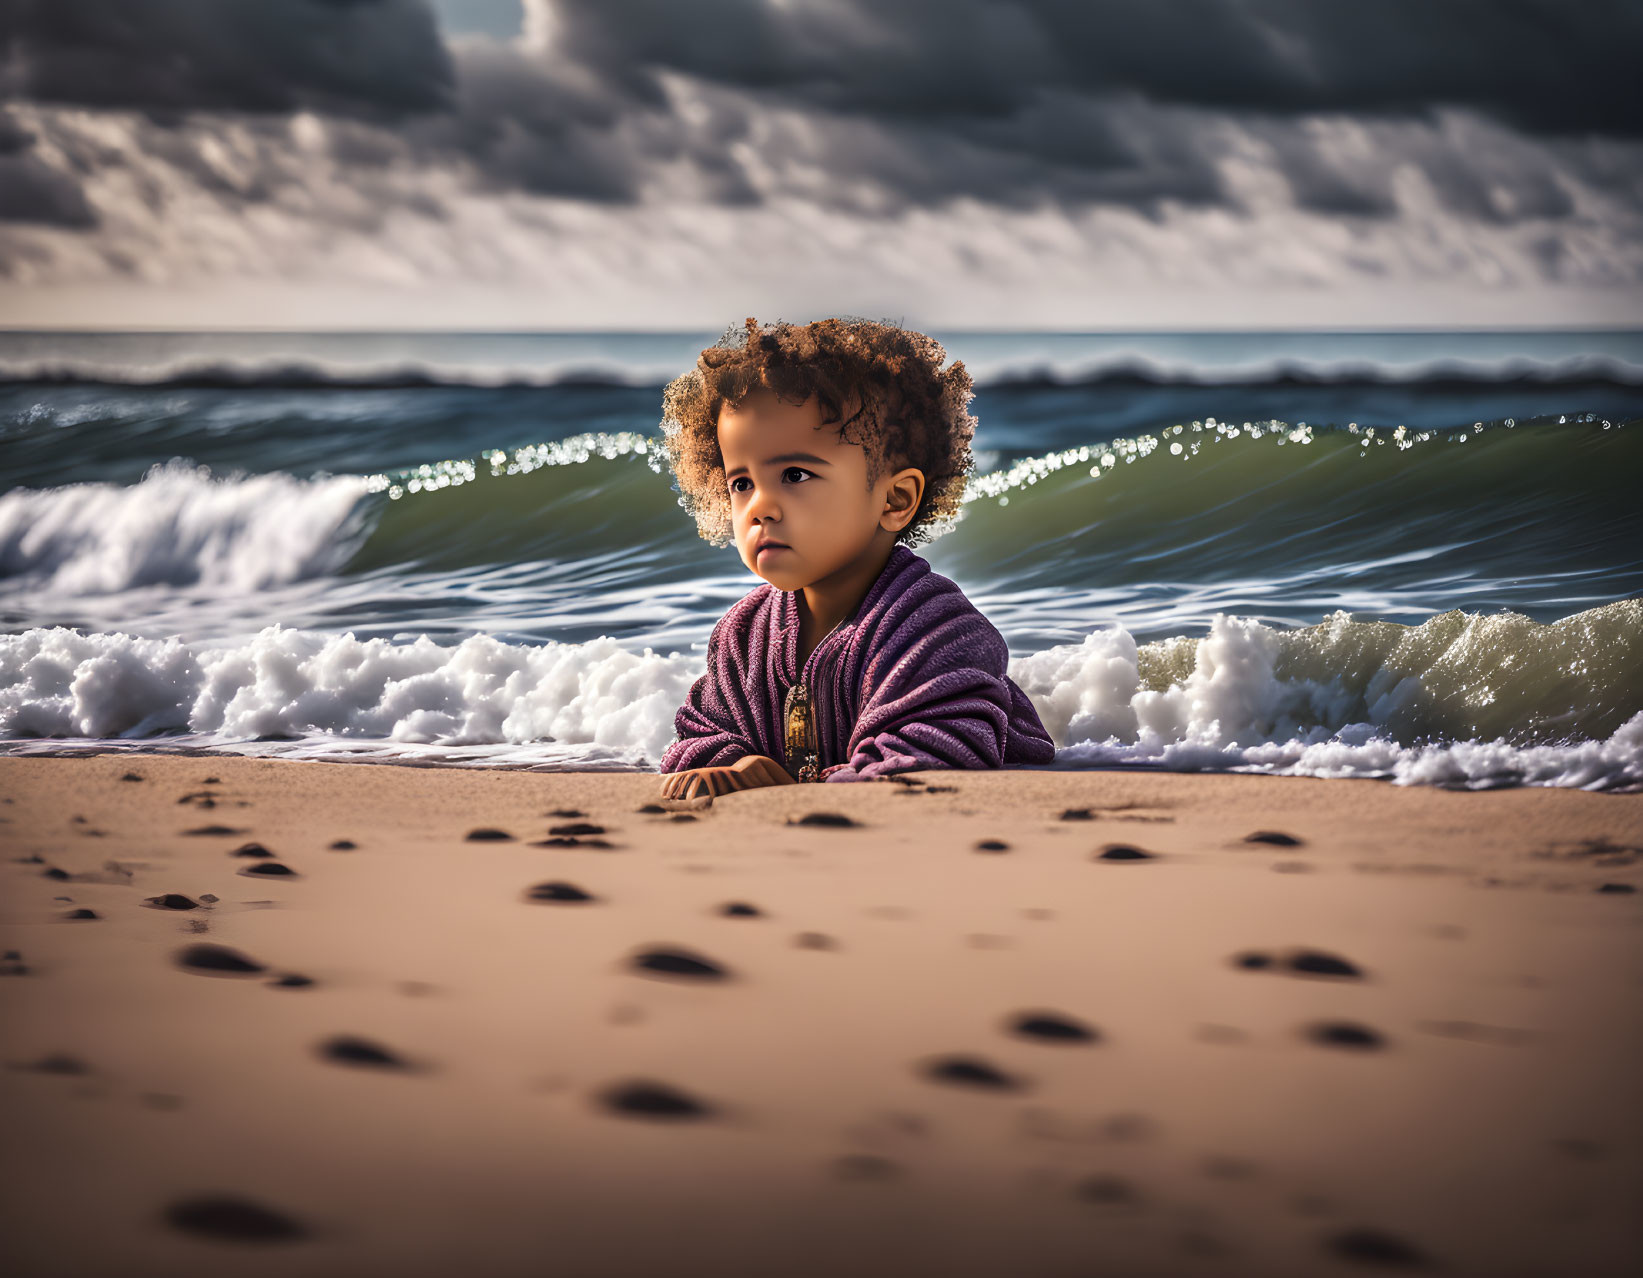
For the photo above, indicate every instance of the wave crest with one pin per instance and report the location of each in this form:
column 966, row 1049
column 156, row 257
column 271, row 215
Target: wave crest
column 178, row 527
column 1117, row 369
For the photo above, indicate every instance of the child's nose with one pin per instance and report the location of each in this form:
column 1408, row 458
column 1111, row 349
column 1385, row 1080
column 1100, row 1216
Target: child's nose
column 763, row 505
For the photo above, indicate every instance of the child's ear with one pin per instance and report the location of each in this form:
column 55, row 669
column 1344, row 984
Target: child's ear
column 901, row 499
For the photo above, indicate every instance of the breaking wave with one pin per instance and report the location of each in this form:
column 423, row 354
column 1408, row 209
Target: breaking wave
column 1461, row 699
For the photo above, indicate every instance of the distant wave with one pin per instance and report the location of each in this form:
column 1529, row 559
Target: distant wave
column 1442, row 374
column 1341, row 698
column 297, row 375
column 1118, row 370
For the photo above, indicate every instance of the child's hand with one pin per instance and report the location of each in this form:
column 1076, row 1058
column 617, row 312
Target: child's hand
column 747, row 773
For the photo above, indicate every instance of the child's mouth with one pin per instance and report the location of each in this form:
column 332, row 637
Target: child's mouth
column 762, row 551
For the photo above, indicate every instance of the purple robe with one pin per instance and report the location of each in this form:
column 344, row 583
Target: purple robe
column 915, row 678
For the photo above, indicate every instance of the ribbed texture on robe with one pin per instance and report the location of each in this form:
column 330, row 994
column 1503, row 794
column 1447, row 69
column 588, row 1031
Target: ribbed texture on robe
column 915, row 678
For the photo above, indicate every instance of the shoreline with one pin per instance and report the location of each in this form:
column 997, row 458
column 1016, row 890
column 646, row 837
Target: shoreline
column 886, row 1075
column 103, row 750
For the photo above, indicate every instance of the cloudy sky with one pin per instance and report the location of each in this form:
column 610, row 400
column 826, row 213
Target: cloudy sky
column 954, row 163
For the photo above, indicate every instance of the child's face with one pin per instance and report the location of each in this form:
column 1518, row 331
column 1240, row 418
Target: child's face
column 793, row 480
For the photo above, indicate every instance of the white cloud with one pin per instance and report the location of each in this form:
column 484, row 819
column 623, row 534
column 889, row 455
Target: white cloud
column 310, row 221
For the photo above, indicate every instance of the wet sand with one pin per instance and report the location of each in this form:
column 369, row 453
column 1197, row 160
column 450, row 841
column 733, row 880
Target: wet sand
column 267, row 1017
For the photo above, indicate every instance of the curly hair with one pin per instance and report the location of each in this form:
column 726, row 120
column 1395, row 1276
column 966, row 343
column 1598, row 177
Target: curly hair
column 909, row 411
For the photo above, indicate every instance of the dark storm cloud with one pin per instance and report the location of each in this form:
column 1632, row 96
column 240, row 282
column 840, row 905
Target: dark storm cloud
column 1106, row 101
column 1541, row 65
column 525, row 124
column 874, row 106
column 380, row 58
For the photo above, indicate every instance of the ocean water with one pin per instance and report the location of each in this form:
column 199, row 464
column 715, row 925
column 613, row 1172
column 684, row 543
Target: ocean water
column 1412, row 556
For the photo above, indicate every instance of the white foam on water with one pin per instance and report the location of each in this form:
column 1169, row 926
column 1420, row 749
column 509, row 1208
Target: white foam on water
column 1222, row 703
column 1235, row 711
column 294, row 683
column 179, row 526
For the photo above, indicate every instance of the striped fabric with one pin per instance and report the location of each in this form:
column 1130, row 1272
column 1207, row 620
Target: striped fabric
column 916, row 678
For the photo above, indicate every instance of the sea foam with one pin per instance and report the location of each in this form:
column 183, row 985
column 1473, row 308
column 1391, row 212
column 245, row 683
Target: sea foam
column 178, row 527
column 1247, row 697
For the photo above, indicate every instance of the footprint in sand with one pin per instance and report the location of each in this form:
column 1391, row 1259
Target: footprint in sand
column 1298, row 962
column 251, row 849
column 833, row 820
column 1376, row 1247
column 644, row 1098
column 1273, row 838
column 1123, row 852
column 350, row 1049
column 1077, row 814
column 971, row 1071
column 672, row 961
column 576, row 829
column 487, row 834
column 13, row 965
column 228, row 1219
column 566, row 812
column 131, row 776
column 82, row 914
column 214, row 831
column 1345, row 1034
column 292, row 981
column 560, row 893
column 171, row 901
column 815, row 941
column 992, row 845
column 216, row 960
column 343, row 845
column 740, row 910
column 1051, row 1027
column 270, row 870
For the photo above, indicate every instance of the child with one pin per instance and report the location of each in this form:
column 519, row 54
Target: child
column 824, row 452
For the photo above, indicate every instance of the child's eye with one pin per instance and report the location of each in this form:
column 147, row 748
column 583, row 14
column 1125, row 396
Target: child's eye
column 790, row 471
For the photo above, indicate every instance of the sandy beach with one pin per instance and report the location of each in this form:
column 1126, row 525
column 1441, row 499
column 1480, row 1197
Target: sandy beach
column 277, row 1017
